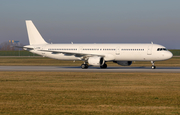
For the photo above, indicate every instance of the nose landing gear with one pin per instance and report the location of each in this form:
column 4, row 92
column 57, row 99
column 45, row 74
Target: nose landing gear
column 153, row 66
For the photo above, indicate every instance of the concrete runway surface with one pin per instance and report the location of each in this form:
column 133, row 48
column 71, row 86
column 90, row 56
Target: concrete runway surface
column 91, row 69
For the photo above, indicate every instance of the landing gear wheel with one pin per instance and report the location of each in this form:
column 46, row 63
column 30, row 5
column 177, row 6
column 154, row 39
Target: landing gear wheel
column 84, row 66
column 153, row 67
column 103, row 66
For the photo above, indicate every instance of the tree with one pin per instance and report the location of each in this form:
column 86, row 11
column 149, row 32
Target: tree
column 8, row 46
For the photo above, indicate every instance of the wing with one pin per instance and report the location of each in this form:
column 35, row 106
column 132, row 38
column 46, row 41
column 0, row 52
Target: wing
column 76, row 54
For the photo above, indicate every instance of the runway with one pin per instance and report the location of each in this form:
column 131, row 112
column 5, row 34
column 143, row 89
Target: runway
column 91, row 69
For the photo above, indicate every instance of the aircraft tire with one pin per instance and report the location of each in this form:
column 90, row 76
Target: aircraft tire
column 153, row 67
column 84, row 66
column 103, row 66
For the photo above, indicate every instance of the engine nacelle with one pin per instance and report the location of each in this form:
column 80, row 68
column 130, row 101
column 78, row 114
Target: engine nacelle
column 96, row 61
column 123, row 63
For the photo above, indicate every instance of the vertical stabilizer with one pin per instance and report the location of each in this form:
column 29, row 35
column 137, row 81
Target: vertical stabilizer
column 35, row 37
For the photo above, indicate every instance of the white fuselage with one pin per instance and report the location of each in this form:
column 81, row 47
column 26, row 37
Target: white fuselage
column 95, row 54
column 111, row 52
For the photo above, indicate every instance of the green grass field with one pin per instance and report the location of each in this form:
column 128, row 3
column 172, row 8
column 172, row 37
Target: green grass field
column 49, row 93
column 17, row 53
column 175, row 52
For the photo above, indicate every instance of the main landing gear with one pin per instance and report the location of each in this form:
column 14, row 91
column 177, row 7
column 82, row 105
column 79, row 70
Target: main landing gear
column 103, row 66
column 153, row 66
column 84, row 66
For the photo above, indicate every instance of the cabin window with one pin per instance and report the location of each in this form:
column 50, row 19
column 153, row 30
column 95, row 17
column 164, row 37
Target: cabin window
column 131, row 49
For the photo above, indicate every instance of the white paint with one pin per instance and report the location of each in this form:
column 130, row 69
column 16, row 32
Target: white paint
column 110, row 52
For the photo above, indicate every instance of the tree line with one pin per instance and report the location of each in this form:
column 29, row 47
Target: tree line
column 8, row 46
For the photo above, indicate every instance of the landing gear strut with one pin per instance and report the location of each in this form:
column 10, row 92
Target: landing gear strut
column 153, row 66
column 103, row 66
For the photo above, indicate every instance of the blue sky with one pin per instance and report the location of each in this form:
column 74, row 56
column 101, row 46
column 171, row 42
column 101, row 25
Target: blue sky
column 93, row 21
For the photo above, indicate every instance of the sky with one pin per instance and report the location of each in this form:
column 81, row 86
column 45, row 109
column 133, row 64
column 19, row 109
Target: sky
column 93, row 21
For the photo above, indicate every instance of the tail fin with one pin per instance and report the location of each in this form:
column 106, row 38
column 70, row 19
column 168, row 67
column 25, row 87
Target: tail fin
column 33, row 34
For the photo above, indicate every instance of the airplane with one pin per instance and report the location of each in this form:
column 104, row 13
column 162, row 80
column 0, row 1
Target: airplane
column 95, row 54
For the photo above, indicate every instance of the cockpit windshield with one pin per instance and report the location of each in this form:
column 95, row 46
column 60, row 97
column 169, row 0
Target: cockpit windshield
column 161, row 49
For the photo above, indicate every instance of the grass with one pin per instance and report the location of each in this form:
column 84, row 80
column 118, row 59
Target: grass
column 176, row 52
column 89, row 93
column 17, row 53
column 173, row 62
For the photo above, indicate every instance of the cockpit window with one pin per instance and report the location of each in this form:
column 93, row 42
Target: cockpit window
column 161, row 49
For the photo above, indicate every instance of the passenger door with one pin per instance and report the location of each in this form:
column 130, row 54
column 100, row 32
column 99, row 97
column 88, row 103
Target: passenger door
column 149, row 50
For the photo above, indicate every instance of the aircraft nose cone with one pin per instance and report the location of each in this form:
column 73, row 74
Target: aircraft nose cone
column 169, row 55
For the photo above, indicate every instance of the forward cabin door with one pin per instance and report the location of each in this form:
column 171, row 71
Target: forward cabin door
column 149, row 50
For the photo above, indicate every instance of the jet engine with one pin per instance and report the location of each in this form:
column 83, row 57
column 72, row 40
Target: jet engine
column 96, row 61
column 123, row 63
